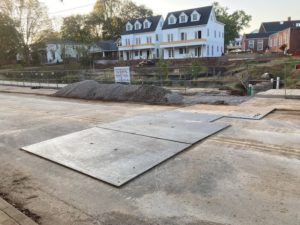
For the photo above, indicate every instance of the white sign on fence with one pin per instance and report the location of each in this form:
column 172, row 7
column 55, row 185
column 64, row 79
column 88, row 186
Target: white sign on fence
column 122, row 74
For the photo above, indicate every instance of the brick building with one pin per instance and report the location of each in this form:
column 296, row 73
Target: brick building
column 289, row 37
column 272, row 35
column 256, row 42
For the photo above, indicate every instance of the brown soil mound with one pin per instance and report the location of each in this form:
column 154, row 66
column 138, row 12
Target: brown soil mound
column 92, row 90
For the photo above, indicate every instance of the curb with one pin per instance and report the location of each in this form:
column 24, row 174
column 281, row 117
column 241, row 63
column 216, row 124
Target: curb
column 11, row 216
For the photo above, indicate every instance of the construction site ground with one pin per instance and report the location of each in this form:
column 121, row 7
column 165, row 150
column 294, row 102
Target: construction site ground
column 247, row 174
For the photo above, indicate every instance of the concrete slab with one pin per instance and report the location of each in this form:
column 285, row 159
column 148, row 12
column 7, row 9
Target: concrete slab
column 250, row 115
column 280, row 93
column 178, row 115
column 111, row 156
column 162, row 127
column 238, row 112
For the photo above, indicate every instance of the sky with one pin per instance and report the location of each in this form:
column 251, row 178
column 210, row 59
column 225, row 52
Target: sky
column 261, row 10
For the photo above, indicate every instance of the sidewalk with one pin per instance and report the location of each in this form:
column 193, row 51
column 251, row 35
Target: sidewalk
column 11, row 216
column 280, row 93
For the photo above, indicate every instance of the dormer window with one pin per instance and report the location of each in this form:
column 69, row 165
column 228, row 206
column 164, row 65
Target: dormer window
column 128, row 27
column 183, row 18
column 172, row 19
column 147, row 24
column 195, row 16
column 137, row 25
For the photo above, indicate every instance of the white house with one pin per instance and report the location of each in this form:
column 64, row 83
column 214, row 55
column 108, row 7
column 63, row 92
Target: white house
column 58, row 50
column 141, row 39
column 192, row 33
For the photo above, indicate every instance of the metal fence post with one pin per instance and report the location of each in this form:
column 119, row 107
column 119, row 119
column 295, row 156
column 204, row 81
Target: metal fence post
column 285, row 81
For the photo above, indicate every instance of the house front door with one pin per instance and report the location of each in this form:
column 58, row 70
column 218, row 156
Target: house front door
column 148, row 54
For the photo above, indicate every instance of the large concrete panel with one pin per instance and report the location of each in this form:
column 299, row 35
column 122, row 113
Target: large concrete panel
column 182, row 131
column 187, row 116
column 111, row 156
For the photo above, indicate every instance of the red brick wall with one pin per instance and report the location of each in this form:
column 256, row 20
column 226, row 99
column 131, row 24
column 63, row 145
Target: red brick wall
column 245, row 44
column 295, row 40
column 278, row 39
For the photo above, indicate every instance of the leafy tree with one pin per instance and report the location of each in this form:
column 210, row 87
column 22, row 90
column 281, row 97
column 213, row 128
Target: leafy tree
column 30, row 16
column 234, row 22
column 10, row 38
column 109, row 17
column 130, row 10
column 75, row 28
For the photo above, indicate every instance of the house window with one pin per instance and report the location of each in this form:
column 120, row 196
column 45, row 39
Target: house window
column 171, row 53
column 182, row 19
column 212, row 50
column 128, row 28
column 219, row 34
column 198, row 34
column 136, row 53
column 297, row 24
column 146, row 25
column 217, row 48
column 280, row 40
column 149, row 40
column 171, row 20
column 198, row 52
column 182, row 51
column 157, row 37
column 138, row 41
column 195, row 17
column 251, row 44
column 137, row 26
column 215, row 34
column 157, row 53
column 260, row 45
column 275, row 42
column 207, row 50
column 183, row 36
column 170, row 37
column 207, row 32
column 141, row 53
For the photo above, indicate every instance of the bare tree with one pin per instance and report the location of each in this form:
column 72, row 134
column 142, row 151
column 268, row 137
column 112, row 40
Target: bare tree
column 31, row 18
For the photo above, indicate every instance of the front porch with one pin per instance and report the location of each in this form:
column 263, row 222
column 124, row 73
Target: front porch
column 139, row 54
column 183, row 52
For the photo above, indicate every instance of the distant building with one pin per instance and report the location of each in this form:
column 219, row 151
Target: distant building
column 235, row 45
column 192, row 33
column 184, row 34
column 104, row 52
column 289, row 37
column 272, row 35
column 256, row 42
column 58, row 50
column 141, row 38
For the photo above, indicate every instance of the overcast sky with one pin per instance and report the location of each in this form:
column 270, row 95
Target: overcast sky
column 261, row 10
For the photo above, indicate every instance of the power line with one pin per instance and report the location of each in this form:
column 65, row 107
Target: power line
column 65, row 10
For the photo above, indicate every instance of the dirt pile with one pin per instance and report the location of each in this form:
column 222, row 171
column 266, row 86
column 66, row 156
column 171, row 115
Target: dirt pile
column 92, row 90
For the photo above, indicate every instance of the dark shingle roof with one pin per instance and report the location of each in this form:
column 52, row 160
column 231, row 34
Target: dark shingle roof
column 258, row 35
column 203, row 11
column 278, row 26
column 154, row 22
column 109, row 45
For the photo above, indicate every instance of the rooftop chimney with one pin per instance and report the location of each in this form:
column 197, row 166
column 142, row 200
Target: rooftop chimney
column 289, row 18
